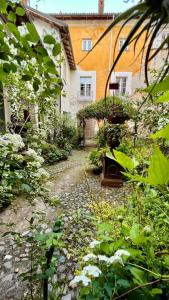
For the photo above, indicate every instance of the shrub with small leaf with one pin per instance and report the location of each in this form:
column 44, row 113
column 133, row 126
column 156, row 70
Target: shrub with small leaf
column 96, row 158
column 129, row 257
column 43, row 241
column 53, row 154
column 20, row 169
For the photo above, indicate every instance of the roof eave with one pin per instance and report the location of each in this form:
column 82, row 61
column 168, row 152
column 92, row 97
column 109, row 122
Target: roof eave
column 63, row 29
column 84, row 16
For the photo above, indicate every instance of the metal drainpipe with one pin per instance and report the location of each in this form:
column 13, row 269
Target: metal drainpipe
column 110, row 52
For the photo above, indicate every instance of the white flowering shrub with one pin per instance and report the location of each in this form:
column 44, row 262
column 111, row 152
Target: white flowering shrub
column 20, row 169
column 129, row 258
column 123, row 273
column 36, row 139
column 96, row 268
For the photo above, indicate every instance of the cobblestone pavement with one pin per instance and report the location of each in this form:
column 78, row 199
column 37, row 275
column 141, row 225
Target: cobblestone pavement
column 73, row 183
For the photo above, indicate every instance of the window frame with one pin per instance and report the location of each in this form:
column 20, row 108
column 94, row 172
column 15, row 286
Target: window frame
column 87, row 40
column 87, row 87
column 120, row 46
column 120, row 90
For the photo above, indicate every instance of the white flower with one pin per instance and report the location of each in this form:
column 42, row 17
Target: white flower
column 94, row 243
column 90, row 256
column 12, row 139
column 147, row 229
column 18, row 157
column 122, row 252
column 103, row 258
column 32, row 153
column 43, row 173
column 115, row 260
column 91, row 271
column 81, row 278
column 34, row 164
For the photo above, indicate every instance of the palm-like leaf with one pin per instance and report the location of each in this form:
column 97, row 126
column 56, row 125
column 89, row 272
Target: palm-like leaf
column 156, row 15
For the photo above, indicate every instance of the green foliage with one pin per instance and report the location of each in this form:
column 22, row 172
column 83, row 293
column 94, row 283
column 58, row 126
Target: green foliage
column 158, row 169
column 42, row 240
column 157, row 172
column 32, row 35
column 109, row 134
column 57, row 49
column 53, row 146
column 163, row 98
column 157, row 88
column 20, row 11
column 25, row 47
column 62, row 130
column 131, row 260
column 21, row 95
column 35, row 139
column 21, row 170
column 96, row 158
column 125, row 146
column 3, row 6
column 53, row 154
column 163, row 133
column 140, row 228
column 101, row 136
column 100, row 110
column 48, row 39
column 125, row 161
column 25, row 72
column 156, row 12
column 54, row 143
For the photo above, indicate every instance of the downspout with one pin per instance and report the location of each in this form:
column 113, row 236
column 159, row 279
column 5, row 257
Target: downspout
column 111, row 48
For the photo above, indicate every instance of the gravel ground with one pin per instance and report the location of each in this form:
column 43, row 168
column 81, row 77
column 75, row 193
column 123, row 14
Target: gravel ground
column 73, row 183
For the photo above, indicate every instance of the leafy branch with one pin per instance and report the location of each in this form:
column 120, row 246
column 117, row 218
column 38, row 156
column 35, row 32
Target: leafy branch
column 136, row 288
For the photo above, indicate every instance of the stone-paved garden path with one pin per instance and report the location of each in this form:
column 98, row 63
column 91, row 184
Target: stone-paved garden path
column 69, row 181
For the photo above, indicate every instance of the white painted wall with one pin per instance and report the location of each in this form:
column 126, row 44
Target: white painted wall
column 44, row 28
column 76, row 101
column 65, row 75
column 71, row 102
